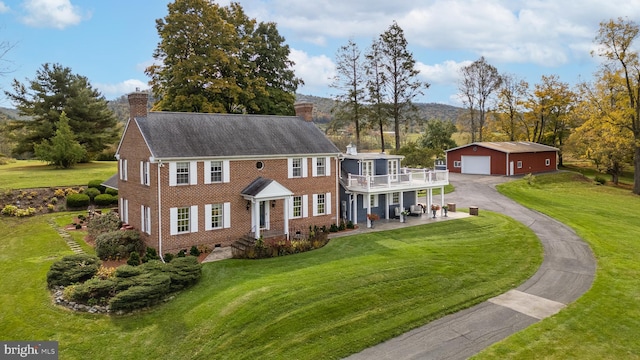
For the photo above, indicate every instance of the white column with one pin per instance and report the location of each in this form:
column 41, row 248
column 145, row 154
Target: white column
column 441, row 200
column 255, row 207
column 386, row 210
column 286, row 215
column 368, row 209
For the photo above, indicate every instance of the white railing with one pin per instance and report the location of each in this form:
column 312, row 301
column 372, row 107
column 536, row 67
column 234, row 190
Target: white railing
column 406, row 177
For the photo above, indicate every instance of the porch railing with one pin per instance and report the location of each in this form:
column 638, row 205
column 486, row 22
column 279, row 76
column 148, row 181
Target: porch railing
column 406, row 177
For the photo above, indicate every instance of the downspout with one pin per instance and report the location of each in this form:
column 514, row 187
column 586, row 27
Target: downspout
column 508, row 167
column 337, row 200
column 159, row 213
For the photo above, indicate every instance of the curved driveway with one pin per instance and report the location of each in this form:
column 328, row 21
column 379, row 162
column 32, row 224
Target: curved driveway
column 566, row 273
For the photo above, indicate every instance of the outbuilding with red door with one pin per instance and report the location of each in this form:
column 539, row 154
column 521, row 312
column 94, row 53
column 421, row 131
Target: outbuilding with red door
column 502, row 158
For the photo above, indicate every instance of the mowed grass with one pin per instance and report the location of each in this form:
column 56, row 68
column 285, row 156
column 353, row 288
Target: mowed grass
column 325, row 304
column 605, row 322
column 28, row 174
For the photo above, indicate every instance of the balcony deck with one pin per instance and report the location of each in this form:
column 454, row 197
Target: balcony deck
column 407, row 180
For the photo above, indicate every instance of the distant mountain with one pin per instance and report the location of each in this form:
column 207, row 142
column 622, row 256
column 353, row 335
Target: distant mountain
column 11, row 114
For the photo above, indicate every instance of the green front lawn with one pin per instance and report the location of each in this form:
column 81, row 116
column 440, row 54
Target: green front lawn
column 29, row 174
column 605, row 322
column 355, row 292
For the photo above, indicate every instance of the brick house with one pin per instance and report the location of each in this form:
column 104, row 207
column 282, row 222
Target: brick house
column 502, row 158
column 208, row 179
column 375, row 183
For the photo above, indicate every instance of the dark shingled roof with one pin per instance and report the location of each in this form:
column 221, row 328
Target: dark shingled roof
column 111, row 182
column 192, row 135
column 256, row 186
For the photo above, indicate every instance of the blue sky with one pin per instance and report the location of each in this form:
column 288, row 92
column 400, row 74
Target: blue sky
column 112, row 41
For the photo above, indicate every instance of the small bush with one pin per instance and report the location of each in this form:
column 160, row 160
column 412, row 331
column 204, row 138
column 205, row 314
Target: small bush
column 94, row 288
column 350, row 225
column 111, row 191
column 97, row 184
column 168, row 257
column 103, row 223
column 149, row 290
column 9, row 210
column 59, row 193
column 150, row 254
column 194, row 251
column 105, row 199
column 134, row 259
column 184, row 272
column 182, row 253
column 600, row 180
column 78, row 201
column 333, row 228
column 118, row 244
column 92, row 193
column 127, row 271
column 72, row 269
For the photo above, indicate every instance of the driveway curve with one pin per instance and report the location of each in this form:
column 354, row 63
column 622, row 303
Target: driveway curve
column 567, row 272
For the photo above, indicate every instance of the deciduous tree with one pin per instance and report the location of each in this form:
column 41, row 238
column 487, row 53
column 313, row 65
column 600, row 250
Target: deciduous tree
column 214, row 58
column 511, row 97
column 437, row 136
column 616, row 45
column 54, row 90
column 479, row 81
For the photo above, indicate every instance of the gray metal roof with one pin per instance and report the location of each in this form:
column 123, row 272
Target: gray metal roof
column 511, row 147
column 193, row 135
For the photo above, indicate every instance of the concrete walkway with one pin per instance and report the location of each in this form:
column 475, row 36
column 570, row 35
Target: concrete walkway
column 566, row 273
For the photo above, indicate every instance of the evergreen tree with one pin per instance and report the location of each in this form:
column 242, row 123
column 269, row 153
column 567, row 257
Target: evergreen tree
column 55, row 90
column 400, row 73
column 437, row 136
column 214, row 58
column 62, row 150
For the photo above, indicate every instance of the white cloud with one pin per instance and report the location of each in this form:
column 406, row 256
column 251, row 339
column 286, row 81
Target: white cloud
column 315, row 71
column 111, row 91
column 445, row 73
column 3, row 7
column 51, row 13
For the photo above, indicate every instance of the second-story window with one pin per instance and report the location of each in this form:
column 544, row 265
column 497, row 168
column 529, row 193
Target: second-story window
column 296, row 167
column 182, row 173
column 321, row 166
column 393, row 169
column 216, row 171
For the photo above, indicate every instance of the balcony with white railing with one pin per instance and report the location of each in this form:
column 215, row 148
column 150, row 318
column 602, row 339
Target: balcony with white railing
column 408, row 179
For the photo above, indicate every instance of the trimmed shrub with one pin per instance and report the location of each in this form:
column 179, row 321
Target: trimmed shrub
column 134, row 259
column 149, row 290
column 127, row 271
column 168, row 257
column 118, row 244
column 600, row 180
column 184, row 272
column 72, row 269
column 103, row 223
column 92, row 193
column 111, row 191
column 150, row 254
column 78, row 200
column 95, row 288
column 105, row 199
column 97, row 184
column 194, row 251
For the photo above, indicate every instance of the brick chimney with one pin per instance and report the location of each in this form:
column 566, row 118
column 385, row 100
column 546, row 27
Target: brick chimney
column 305, row 111
column 138, row 104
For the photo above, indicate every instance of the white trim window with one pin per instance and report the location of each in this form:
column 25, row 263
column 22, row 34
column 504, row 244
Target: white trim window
column 145, row 219
column 183, row 173
column 124, row 210
column 393, row 169
column 297, row 167
column 218, row 216
column 519, row 164
column 321, row 204
column 547, row 162
column 123, row 170
column 373, row 200
column 321, row 166
column 184, row 220
column 367, row 168
column 145, row 178
column 216, row 171
column 457, row 164
column 297, row 207
column 395, row 198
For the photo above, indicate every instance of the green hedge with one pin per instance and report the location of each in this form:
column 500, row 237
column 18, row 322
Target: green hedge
column 97, row 184
column 78, row 201
column 92, row 193
column 105, row 199
column 150, row 289
column 111, row 191
column 72, row 269
column 118, row 244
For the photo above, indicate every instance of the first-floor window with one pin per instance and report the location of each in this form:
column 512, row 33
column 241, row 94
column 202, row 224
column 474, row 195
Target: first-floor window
column 519, row 164
column 457, row 164
column 373, row 200
column 297, row 206
column 395, row 198
column 183, row 220
column 216, row 216
column 145, row 222
column 321, row 204
column 547, row 162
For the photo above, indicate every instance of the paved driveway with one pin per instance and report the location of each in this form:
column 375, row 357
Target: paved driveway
column 565, row 274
